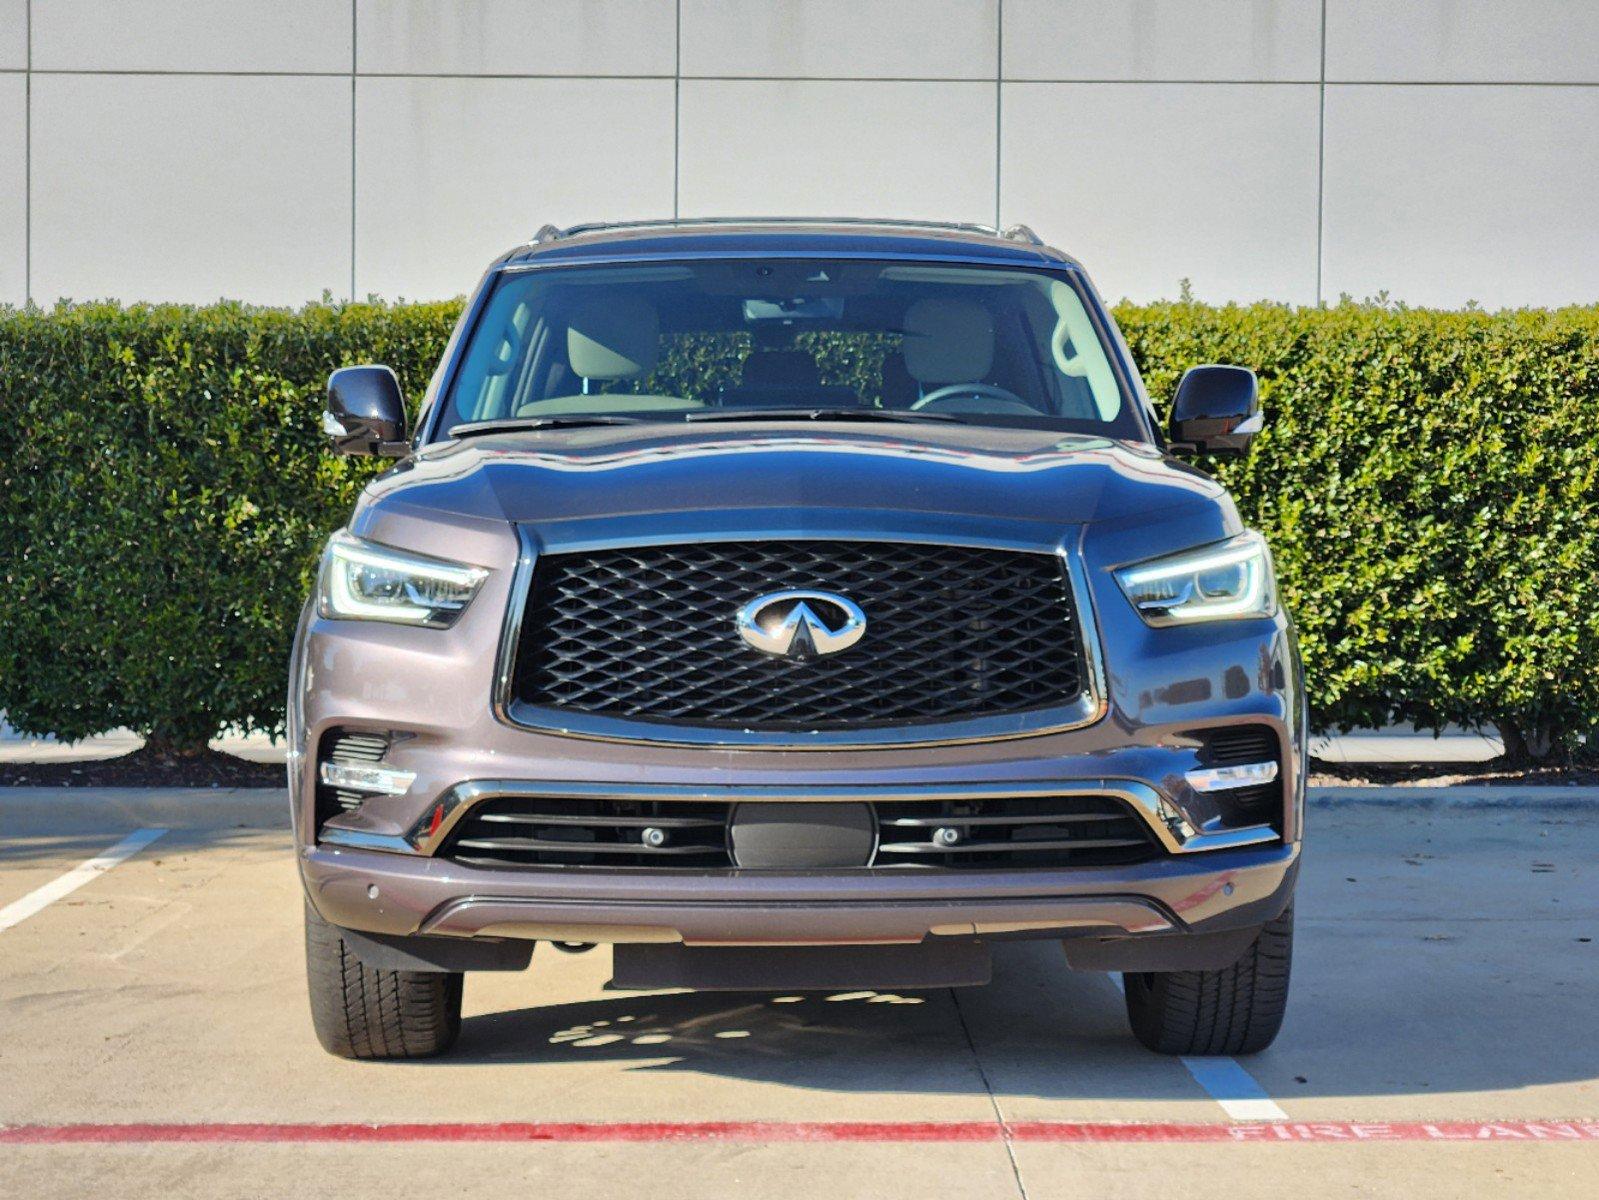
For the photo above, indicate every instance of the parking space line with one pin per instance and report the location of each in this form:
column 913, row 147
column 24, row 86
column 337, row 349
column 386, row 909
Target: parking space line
column 63, row 885
column 1225, row 1079
column 1235, row 1089
column 1147, row 1132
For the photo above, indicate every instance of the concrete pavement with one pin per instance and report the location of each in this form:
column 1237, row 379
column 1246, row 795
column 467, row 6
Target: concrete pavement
column 1397, row 744
column 1444, row 974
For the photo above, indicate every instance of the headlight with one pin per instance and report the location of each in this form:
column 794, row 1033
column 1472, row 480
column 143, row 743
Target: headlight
column 1225, row 581
column 363, row 581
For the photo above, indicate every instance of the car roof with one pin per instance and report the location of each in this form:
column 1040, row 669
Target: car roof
column 737, row 237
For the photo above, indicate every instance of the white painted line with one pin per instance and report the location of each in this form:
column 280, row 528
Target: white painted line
column 1235, row 1089
column 20, row 910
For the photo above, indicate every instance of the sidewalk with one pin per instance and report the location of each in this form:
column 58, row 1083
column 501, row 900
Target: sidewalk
column 20, row 748
column 1401, row 744
column 1406, row 744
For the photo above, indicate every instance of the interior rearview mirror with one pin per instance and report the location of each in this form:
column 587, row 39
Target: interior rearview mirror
column 366, row 413
column 1216, row 411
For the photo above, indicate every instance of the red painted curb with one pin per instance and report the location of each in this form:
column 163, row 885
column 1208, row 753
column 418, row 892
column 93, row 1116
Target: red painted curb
column 811, row 1131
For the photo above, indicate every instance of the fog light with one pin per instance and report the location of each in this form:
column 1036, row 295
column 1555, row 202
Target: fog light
column 383, row 781
column 947, row 836
column 1222, row 779
column 654, row 837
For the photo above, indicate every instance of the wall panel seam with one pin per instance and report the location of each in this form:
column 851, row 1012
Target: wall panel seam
column 970, row 80
column 196, row 71
column 1321, row 156
column 659, row 75
column 999, row 105
column 354, row 65
column 950, row 79
column 677, row 112
column 287, row 74
column 27, row 153
column 1486, row 83
column 1169, row 82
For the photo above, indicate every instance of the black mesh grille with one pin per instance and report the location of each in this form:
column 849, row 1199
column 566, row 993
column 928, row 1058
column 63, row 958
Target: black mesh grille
column 648, row 633
column 1032, row 831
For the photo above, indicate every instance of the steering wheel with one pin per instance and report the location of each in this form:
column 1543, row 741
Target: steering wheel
column 951, row 390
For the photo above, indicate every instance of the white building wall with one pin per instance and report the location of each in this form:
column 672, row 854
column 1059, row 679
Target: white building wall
column 270, row 150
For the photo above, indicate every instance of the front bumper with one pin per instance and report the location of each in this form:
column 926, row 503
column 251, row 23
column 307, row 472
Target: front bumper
column 394, row 894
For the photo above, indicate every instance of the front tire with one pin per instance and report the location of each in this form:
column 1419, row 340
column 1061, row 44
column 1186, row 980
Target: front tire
column 1236, row 1010
column 363, row 1012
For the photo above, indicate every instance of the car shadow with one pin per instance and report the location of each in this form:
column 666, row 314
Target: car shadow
column 1360, row 1023
column 849, row 1039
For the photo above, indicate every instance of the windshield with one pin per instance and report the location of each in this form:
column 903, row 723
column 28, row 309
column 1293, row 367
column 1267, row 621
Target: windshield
column 719, row 337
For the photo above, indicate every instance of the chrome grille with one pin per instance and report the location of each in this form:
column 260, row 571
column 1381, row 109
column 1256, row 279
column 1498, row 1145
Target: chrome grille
column 647, row 633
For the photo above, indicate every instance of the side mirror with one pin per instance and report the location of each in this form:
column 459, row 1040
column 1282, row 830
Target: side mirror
column 366, row 413
column 1217, row 411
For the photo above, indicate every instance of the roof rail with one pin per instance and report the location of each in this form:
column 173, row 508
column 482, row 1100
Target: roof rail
column 1021, row 233
column 1018, row 233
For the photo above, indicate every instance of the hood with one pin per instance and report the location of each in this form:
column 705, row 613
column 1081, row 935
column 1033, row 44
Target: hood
column 949, row 470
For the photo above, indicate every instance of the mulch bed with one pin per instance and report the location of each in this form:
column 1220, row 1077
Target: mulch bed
column 146, row 768
column 1495, row 771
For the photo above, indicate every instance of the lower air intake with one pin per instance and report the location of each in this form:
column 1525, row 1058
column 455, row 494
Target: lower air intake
column 1240, row 745
column 1031, row 831
column 592, row 833
column 356, row 749
column 974, row 834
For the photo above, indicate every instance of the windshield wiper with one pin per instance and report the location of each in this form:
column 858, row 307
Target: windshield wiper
column 512, row 425
column 817, row 414
column 580, row 420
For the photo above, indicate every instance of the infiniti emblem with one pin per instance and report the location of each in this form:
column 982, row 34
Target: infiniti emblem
column 801, row 624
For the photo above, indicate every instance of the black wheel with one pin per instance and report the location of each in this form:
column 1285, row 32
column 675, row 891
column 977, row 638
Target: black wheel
column 1236, row 1010
column 360, row 1012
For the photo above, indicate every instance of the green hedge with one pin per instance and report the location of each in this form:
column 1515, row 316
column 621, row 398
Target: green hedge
column 164, row 490
column 1427, row 479
column 1429, row 483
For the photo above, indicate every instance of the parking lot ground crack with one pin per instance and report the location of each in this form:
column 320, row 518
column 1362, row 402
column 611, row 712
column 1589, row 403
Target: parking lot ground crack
column 993, row 1100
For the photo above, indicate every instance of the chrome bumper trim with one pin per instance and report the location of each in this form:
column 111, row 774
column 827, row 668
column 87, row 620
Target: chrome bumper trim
column 1223, row 779
column 370, row 778
column 1164, row 819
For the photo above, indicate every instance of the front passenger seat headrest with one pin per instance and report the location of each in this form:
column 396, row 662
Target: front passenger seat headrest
column 948, row 341
column 617, row 338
